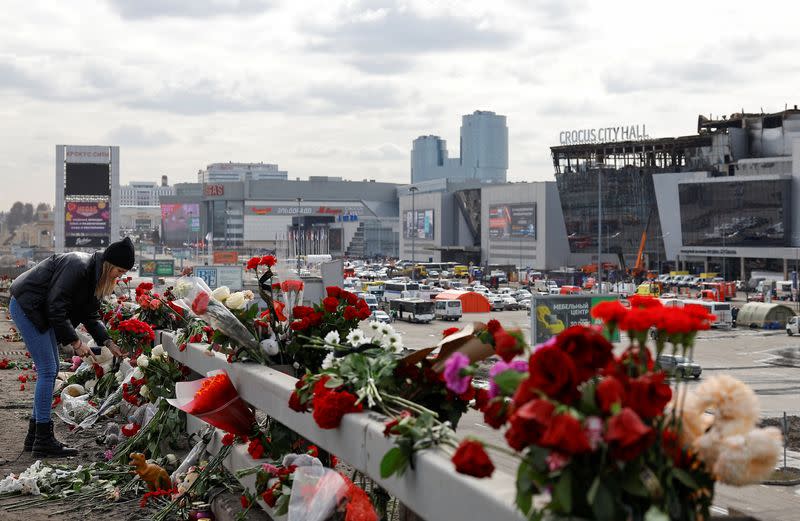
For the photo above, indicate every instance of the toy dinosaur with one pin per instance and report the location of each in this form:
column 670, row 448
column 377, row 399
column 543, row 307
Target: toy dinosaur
column 155, row 477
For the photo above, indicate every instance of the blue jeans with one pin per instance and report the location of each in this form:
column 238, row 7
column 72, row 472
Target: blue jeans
column 44, row 351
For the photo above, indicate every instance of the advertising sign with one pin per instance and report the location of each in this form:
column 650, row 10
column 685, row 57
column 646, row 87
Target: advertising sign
column 419, row 226
column 87, row 154
column 180, row 218
column 512, row 221
column 213, row 190
column 216, row 276
column 157, row 268
column 552, row 314
column 87, row 179
column 226, row 257
column 87, row 219
column 86, row 242
column 306, row 209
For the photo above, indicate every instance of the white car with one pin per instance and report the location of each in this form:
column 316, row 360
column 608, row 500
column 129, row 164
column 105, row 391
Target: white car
column 381, row 316
column 497, row 303
column 509, row 303
column 793, row 326
column 525, row 303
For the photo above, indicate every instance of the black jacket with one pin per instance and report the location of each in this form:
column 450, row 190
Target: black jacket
column 58, row 293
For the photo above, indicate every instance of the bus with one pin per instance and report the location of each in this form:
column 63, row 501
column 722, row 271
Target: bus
column 412, row 310
column 373, row 288
column 395, row 290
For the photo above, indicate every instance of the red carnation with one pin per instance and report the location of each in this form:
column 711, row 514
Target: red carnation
column 330, row 304
column 496, row 412
column 648, row 394
column 506, row 346
column 640, row 301
column 553, row 372
column 330, row 407
column 611, row 312
column 269, row 495
column 301, row 311
column 333, row 291
column 268, row 261
column 98, row 370
column 627, row 436
column 299, row 325
column 253, row 263
column 529, row 423
column 255, row 449
column 565, row 435
column 588, row 348
column 364, row 313
column 228, row 439
column 609, row 391
column 389, row 426
column 295, row 404
column 450, row 331
column 470, row 458
column 349, row 298
column 640, row 319
column 493, row 326
column 244, row 501
column 130, row 429
column 481, row 398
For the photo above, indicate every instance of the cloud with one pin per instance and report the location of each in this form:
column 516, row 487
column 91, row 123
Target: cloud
column 385, row 152
column 137, row 136
column 563, row 108
column 202, row 97
column 400, row 30
column 678, row 76
column 146, row 9
column 344, row 98
column 382, row 65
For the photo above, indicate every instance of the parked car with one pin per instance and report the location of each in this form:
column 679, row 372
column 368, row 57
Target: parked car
column 525, row 303
column 679, row 366
column 509, row 303
column 381, row 316
column 497, row 303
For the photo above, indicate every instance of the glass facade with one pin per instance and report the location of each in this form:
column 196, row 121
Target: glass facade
column 736, row 213
column 628, row 209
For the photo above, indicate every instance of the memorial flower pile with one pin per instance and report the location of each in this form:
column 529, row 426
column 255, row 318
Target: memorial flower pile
column 158, row 309
column 133, row 336
column 605, row 437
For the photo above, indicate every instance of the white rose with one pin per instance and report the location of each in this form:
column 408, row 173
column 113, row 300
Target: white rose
column 221, row 293
column 327, row 363
column 158, row 352
column 249, row 295
column 172, row 459
column 138, row 374
column 142, row 361
column 182, row 288
column 270, row 346
column 236, row 300
column 145, row 392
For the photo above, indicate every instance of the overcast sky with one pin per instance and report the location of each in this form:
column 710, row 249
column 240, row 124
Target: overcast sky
column 342, row 88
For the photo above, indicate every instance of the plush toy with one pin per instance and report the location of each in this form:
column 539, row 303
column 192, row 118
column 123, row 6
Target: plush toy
column 111, row 436
column 155, row 477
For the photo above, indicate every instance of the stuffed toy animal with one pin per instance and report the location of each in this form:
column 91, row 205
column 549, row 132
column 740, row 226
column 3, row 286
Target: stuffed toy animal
column 155, row 477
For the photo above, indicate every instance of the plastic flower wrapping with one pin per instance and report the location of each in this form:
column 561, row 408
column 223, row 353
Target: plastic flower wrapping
column 216, row 401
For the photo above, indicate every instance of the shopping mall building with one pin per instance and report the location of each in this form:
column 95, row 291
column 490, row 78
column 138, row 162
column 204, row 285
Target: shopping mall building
column 719, row 200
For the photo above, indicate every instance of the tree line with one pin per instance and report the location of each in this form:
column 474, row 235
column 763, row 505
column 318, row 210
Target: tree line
column 21, row 213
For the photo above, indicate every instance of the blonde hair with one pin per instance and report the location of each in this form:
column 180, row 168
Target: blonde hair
column 107, row 282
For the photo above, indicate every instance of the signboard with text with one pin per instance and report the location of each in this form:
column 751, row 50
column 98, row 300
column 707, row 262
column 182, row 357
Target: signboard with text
column 218, row 276
column 512, row 221
column 226, row 257
column 418, row 224
column 87, row 219
column 157, row 268
column 552, row 314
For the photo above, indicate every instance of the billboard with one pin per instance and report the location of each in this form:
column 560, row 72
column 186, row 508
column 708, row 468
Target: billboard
column 157, row 268
column 552, row 314
column 217, row 276
column 178, row 219
column 226, row 257
column 87, row 179
column 512, row 221
column 86, row 242
column 87, row 219
column 418, row 224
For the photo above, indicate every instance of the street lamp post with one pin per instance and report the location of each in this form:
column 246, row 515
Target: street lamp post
column 297, row 252
column 659, row 251
column 599, row 230
column 413, row 190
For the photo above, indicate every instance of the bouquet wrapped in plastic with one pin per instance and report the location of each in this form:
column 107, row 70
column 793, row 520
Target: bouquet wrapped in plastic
column 197, row 297
column 215, row 401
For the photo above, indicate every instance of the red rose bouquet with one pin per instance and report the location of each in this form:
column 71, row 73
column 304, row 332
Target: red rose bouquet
column 216, row 401
column 157, row 309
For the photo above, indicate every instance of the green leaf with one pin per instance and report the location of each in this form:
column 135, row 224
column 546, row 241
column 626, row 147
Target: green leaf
column 684, row 477
column 393, row 462
column 562, row 493
column 525, row 487
column 508, row 381
column 588, row 403
column 603, row 503
column 632, row 484
column 282, row 505
column 592, row 493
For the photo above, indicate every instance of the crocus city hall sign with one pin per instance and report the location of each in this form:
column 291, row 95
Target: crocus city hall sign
column 603, row 135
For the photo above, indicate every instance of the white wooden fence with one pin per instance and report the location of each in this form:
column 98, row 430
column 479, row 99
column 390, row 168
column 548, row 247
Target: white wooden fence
column 433, row 490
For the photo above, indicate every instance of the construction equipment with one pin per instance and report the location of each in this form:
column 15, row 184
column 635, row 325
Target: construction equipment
column 638, row 269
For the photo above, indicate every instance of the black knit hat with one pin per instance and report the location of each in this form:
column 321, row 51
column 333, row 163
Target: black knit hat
column 121, row 253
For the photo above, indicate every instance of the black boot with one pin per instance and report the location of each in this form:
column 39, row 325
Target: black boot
column 45, row 443
column 29, row 437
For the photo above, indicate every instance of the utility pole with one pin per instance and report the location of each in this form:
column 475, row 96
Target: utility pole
column 299, row 200
column 413, row 190
column 599, row 230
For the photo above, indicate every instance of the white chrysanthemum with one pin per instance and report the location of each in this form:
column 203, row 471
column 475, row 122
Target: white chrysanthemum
column 356, row 338
column 221, row 293
column 393, row 342
column 332, row 339
column 387, row 329
column 236, row 301
column 375, row 326
column 327, row 363
column 142, row 361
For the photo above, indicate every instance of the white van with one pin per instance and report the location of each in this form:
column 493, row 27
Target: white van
column 721, row 310
column 448, row 309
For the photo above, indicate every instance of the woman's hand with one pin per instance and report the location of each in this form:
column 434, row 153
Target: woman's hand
column 114, row 348
column 81, row 349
